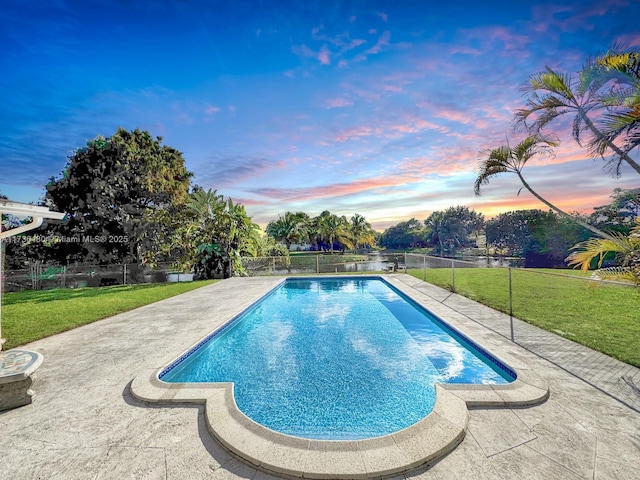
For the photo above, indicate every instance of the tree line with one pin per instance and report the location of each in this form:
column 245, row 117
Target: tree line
column 325, row 232
column 542, row 238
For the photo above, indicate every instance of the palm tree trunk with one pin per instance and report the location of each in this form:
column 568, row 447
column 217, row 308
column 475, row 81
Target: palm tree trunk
column 624, row 156
column 577, row 220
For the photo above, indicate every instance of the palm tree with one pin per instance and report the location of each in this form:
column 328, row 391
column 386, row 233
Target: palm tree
column 289, row 228
column 332, row 227
column 552, row 95
column 360, row 232
column 513, row 160
column 627, row 248
column 215, row 234
column 615, row 76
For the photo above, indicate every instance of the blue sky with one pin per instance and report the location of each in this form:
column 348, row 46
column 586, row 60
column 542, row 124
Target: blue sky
column 378, row 108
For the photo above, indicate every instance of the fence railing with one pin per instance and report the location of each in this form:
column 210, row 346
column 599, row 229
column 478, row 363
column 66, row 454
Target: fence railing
column 322, row 263
column 40, row 276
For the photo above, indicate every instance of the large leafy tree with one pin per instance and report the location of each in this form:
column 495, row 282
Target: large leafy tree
column 607, row 89
column 119, row 194
column 408, row 234
column 445, row 232
column 544, row 239
column 450, row 228
column 621, row 213
column 513, row 231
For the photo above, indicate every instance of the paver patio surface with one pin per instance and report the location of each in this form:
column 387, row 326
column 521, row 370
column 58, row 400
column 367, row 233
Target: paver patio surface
column 84, row 423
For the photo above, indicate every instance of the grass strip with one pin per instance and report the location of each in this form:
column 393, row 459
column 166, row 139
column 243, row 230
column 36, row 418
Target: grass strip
column 604, row 317
column 32, row 315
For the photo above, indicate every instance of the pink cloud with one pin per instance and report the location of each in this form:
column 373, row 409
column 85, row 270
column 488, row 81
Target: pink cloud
column 632, row 39
column 465, row 50
column 383, row 16
column 391, row 131
column 354, row 132
column 211, row 109
column 303, row 51
column 331, row 190
column 323, row 56
column 452, row 115
column 511, row 42
column 392, row 88
column 337, row 103
column 356, row 42
column 382, row 44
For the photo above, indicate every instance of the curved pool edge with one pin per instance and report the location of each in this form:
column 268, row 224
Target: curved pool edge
column 418, row 445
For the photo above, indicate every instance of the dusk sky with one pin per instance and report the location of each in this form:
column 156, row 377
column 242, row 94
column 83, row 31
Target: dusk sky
column 371, row 107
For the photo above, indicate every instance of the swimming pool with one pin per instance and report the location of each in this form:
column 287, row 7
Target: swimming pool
column 205, row 313
column 336, row 359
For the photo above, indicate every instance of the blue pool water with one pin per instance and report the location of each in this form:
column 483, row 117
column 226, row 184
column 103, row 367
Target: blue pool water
column 336, row 359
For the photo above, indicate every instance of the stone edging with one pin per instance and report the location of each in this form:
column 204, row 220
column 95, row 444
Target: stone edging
column 293, row 457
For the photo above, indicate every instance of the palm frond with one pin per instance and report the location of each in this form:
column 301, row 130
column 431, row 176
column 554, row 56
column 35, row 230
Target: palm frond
column 539, row 111
column 558, row 83
column 623, row 274
column 598, row 248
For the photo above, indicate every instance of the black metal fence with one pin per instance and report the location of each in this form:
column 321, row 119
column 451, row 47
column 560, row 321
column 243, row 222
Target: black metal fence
column 322, row 263
column 42, row 276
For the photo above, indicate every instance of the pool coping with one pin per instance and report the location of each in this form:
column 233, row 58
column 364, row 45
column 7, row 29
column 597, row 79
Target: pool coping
column 293, row 457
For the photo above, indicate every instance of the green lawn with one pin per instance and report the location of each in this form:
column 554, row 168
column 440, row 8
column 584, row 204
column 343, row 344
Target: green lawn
column 600, row 316
column 31, row 315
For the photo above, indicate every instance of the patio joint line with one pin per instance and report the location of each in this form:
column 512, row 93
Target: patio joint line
column 564, row 466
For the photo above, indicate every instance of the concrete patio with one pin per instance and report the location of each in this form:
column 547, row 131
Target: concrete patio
column 85, row 424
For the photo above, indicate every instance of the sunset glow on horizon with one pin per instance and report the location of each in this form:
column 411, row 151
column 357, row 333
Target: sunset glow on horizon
column 378, row 108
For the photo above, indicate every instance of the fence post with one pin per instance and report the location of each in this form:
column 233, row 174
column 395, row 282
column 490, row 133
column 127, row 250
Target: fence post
column 124, row 274
column 64, row 276
column 424, row 267
column 318, row 264
column 510, row 305
column 453, row 277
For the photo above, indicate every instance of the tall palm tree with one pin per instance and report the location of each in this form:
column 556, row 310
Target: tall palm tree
column 360, row 232
column 626, row 248
column 615, row 77
column 552, row 95
column 506, row 159
column 332, row 227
